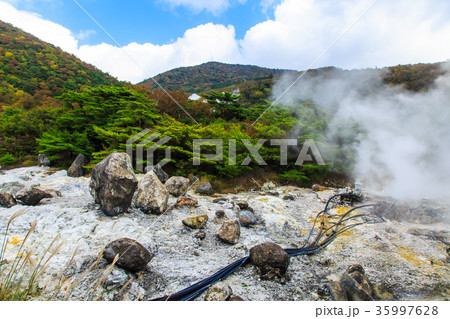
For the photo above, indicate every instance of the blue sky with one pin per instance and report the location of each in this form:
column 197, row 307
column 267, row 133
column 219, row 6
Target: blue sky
column 158, row 22
column 158, row 35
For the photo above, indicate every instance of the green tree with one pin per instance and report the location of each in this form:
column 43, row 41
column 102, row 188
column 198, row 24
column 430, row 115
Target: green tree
column 226, row 105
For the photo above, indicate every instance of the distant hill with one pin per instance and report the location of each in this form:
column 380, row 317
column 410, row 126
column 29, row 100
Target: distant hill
column 211, row 75
column 32, row 72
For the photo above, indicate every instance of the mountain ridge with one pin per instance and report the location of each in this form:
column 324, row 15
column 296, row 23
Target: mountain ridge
column 210, row 75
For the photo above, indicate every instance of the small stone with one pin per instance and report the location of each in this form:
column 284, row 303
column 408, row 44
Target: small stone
column 177, row 185
column 268, row 185
column 220, row 200
column 200, row 235
column 271, row 260
column 229, row 232
column 196, row 222
column 242, row 204
column 236, row 298
column 205, row 189
column 272, row 193
column 77, row 169
column 43, row 160
column 32, row 196
column 246, row 218
column 163, row 176
column 116, row 279
column 220, row 214
column 186, row 201
column 218, row 292
column 318, row 188
column 6, row 200
column 196, row 253
column 132, row 255
column 289, row 197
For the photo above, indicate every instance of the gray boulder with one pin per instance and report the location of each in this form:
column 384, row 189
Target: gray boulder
column 132, row 255
column 6, row 200
column 177, row 185
column 113, row 183
column 32, row 196
column 43, row 160
column 163, row 176
column 151, row 195
column 76, row 169
column 205, row 189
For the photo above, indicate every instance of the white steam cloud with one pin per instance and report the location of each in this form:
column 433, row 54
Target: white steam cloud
column 404, row 150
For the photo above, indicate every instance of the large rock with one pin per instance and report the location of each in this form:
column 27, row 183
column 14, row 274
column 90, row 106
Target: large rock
column 205, row 189
column 77, row 169
column 271, row 260
column 196, row 222
column 132, row 255
column 218, row 292
column 354, row 285
column 113, row 183
column 177, row 185
column 163, row 176
column 32, row 196
column 229, row 232
column 43, row 160
column 6, row 200
column 11, row 187
column 151, row 196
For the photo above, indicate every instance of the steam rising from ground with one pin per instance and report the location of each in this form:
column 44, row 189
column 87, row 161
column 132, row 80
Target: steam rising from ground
column 404, row 146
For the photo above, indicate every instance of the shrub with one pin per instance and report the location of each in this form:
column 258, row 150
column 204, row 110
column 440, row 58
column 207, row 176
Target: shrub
column 294, row 176
column 8, row 159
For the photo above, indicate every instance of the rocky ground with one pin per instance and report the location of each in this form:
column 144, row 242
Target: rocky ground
column 404, row 249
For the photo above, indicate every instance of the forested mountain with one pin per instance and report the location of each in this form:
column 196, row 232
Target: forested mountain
column 256, row 83
column 32, row 72
column 211, row 75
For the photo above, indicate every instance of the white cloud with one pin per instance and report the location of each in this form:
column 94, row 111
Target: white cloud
column 204, row 43
column 84, row 34
column 214, row 6
column 267, row 4
column 390, row 33
column 33, row 23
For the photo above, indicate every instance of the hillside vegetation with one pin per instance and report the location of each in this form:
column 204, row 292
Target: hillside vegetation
column 32, row 71
column 51, row 102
